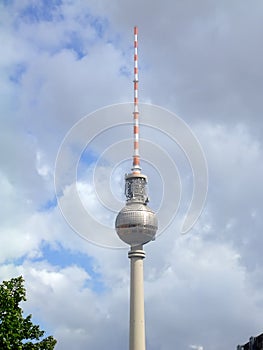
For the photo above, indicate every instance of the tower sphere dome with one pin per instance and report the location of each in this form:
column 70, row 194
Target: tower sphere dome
column 136, row 224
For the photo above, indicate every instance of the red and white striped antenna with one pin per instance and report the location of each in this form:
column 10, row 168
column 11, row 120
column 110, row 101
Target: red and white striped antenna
column 136, row 157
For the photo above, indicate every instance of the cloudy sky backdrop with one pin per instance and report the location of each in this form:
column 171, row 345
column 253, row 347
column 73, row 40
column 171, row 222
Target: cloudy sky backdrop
column 60, row 61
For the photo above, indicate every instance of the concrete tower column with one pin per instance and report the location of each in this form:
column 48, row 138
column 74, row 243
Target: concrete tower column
column 137, row 322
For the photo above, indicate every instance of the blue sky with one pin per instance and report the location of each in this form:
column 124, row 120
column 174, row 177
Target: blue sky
column 63, row 61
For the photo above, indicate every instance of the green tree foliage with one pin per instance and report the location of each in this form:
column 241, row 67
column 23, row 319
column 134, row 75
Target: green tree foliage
column 17, row 332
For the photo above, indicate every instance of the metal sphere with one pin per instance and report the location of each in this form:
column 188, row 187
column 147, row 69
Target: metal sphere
column 136, row 224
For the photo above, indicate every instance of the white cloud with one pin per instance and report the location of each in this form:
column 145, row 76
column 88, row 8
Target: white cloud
column 197, row 347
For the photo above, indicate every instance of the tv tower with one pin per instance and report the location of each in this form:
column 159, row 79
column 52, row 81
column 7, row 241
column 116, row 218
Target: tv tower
column 136, row 224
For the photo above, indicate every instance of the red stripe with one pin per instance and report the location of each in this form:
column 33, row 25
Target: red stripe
column 136, row 129
column 136, row 160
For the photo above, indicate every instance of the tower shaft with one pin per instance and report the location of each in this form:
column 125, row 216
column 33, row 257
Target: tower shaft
column 137, row 321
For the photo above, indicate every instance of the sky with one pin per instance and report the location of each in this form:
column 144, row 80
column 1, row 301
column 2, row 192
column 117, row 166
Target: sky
column 66, row 86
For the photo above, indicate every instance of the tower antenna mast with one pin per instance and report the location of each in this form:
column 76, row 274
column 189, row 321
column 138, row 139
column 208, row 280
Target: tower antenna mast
column 136, row 156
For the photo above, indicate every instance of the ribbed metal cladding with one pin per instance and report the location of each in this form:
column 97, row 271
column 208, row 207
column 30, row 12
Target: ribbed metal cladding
column 136, row 224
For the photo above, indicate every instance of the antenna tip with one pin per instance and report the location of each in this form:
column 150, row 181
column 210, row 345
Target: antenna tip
column 135, row 30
